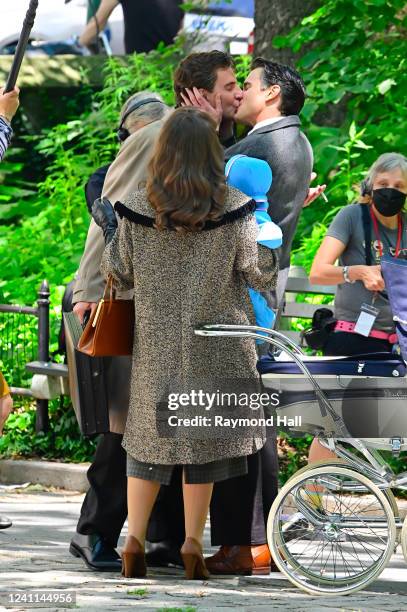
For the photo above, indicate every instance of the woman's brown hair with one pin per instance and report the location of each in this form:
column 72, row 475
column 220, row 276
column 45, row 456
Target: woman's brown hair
column 186, row 180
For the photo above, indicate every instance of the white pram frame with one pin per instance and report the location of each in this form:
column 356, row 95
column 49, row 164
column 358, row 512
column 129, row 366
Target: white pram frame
column 335, row 524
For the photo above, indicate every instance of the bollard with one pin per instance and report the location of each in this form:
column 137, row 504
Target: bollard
column 42, row 418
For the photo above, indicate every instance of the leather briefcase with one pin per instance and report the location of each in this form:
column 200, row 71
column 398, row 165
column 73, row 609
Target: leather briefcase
column 87, row 382
column 110, row 329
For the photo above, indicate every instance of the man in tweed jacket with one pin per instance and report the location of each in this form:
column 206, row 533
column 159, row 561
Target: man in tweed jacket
column 9, row 103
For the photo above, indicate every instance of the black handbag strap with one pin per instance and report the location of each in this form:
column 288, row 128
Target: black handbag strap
column 367, row 231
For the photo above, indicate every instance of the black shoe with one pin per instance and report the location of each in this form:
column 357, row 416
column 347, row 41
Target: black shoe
column 5, row 522
column 163, row 554
column 98, row 554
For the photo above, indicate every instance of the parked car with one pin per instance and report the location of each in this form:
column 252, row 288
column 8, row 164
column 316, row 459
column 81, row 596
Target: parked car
column 55, row 22
column 226, row 26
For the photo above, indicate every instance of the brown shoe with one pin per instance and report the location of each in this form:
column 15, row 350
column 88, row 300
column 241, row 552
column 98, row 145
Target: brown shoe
column 241, row 561
column 133, row 559
column 194, row 562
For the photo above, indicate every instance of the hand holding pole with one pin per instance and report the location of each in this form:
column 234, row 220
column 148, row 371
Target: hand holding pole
column 21, row 46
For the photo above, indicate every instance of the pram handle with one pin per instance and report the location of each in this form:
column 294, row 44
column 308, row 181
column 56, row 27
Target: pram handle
column 264, row 330
column 333, row 423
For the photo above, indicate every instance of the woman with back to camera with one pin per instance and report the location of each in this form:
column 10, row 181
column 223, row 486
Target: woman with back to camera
column 381, row 221
column 187, row 244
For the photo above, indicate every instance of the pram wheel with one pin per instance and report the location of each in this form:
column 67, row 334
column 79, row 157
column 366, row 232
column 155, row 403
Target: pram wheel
column 348, row 535
column 388, row 493
column 404, row 539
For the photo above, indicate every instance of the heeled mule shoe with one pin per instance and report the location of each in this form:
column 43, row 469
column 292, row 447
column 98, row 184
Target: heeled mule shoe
column 194, row 562
column 133, row 559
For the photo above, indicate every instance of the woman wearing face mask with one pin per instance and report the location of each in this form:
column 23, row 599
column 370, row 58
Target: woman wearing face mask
column 381, row 221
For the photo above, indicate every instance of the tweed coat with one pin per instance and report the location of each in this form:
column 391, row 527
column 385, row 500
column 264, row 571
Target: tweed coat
column 181, row 282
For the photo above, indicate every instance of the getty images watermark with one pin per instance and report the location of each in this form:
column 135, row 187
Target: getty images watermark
column 201, row 408
column 209, row 412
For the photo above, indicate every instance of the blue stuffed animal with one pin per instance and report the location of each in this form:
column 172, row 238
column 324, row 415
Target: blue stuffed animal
column 254, row 177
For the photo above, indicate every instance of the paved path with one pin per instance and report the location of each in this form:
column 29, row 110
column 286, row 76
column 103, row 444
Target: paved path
column 34, row 555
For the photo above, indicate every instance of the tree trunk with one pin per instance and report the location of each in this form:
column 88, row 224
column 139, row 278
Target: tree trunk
column 277, row 18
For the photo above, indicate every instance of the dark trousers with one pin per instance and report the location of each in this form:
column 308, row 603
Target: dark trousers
column 104, row 509
column 167, row 519
column 240, row 506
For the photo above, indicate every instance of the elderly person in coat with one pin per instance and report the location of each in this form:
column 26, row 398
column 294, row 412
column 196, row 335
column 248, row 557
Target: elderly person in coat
column 187, row 245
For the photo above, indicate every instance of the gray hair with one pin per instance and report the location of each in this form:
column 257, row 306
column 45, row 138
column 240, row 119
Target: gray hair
column 385, row 163
column 143, row 114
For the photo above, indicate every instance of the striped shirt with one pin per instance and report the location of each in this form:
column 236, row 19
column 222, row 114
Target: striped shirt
column 5, row 136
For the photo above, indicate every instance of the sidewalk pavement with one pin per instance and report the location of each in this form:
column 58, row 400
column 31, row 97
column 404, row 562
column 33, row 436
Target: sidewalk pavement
column 34, row 555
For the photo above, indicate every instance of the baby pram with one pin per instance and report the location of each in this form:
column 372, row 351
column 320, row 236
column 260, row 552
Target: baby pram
column 335, row 524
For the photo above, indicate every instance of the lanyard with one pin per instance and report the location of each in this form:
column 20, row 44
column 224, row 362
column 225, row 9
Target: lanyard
column 399, row 234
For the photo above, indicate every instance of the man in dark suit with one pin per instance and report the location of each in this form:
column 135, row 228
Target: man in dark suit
column 272, row 100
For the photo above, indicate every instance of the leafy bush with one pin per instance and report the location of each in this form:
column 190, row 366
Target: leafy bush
column 62, row 441
column 354, row 67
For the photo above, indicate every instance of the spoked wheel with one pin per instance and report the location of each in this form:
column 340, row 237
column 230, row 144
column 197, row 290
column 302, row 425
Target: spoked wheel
column 337, row 462
column 404, row 539
column 344, row 538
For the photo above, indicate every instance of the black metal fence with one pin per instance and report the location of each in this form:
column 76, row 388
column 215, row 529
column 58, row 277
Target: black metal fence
column 24, row 336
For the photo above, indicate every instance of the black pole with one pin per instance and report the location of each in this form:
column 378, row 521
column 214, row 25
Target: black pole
column 42, row 419
column 21, row 46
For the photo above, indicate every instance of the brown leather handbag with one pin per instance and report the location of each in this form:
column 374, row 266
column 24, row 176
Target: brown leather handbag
column 110, row 330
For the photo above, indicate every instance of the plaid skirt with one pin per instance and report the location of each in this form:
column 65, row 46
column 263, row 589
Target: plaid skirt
column 214, row 471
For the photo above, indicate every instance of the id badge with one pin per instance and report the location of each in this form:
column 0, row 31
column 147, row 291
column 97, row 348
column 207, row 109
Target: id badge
column 366, row 320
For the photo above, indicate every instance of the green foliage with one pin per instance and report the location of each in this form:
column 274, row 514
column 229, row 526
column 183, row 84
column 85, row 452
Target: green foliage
column 139, row 593
column 357, row 51
column 354, row 66
column 343, row 180
column 293, row 453
column 62, row 442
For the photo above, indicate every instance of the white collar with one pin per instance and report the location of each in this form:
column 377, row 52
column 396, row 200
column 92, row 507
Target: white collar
column 264, row 123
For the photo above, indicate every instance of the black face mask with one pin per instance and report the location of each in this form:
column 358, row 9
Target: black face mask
column 388, row 201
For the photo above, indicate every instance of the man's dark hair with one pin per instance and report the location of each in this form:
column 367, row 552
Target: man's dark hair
column 199, row 70
column 291, row 84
